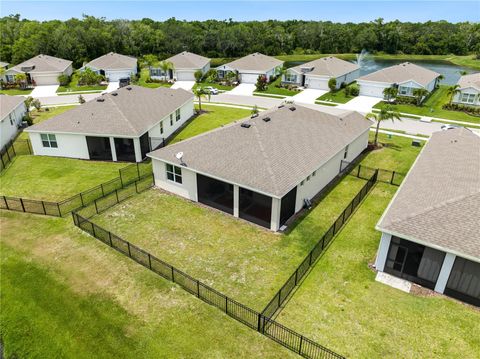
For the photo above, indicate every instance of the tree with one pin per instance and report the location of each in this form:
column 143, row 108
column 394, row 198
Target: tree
column 28, row 102
column 199, row 92
column 198, row 75
column 332, row 84
column 390, row 93
column 150, row 60
column 81, row 100
column 261, row 84
column 386, row 113
column 452, row 91
column 21, row 80
column 165, row 66
column 64, row 80
column 89, row 77
column 36, row 103
column 420, row 93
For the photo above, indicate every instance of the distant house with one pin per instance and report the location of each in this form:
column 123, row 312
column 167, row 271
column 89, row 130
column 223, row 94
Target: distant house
column 263, row 169
column 185, row 64
column 3, row 65
column 113, row 66
column 251, row 66
column 468, row 90
column 41, row 70
column 120, row 126
column 316, row 74
column 406, row 77
column 12, row 111
column 431, row 228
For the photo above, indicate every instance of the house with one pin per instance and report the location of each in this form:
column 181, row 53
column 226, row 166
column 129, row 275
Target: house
column 3, row 66
column 41, row 70
column 405, row 76
column 120, row 126
column 185, row 64
column 263, row 169
column 468, row 90
column 250, row 67
column 113, row 66
column 12, row 111
column 316, row 74
column 431, row 228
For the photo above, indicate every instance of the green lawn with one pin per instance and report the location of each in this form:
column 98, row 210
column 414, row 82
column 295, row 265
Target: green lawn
column 272, row 89
column 73, row 86
column 54, row 178
column 432, row 107
column 337, row 96
column 213, row 117
column 215, row 85
column 14, row 92
column 144, row 74
column 340, row 303
column 66, row 295
column 246, row 262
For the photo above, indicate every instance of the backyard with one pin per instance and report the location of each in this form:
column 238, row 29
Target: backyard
column 341, row 304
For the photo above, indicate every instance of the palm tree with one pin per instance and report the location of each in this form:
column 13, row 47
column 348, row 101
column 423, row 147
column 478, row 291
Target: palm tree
column 390, row 93
column 199, row 92
column 21, row 80
column 165, row 66
column 452, row 91
column 387, row 112
column 420, row 93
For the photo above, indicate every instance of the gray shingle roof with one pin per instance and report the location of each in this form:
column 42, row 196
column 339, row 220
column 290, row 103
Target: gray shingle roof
column 271, row 157
column 3, row 64
column 439, row 201
column 255, row 62
column 472, row 80
column 8, row 104
column 328, row 66
column 113, row 61
column 188, row 60
column 43, row 63
column 402, row 72
column 130, row 113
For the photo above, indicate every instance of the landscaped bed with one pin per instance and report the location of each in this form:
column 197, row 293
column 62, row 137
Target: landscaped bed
column 142, row 81
column 341, row 304
column 243, row 261
column 73, row 86
column 274, row 90
column 337, row 96
column 214, row 85
column 54, row 178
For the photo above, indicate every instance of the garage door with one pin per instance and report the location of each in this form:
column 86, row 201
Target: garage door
column 185, row 76
column 116, row 76
column 317, row 84
column 370, row 90
column 46, row 80
column 249, row 78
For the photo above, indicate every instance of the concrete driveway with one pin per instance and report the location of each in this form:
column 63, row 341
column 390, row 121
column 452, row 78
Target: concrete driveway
column 362, row 104
column 243, row 90
column 44, row 91
column 186, row 85
column 112, row 86
column 308, row 96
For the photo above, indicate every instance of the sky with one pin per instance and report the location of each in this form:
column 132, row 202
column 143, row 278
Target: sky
column 240, row 10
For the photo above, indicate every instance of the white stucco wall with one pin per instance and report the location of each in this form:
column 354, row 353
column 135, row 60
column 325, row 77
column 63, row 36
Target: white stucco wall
column 9, row 129
column 116, row 75
column 471, row 90
column 73, row 146
column 373, row 89
column 186, row 189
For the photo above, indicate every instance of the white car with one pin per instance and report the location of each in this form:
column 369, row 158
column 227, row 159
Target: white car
column 211, row 89
column 449, row 127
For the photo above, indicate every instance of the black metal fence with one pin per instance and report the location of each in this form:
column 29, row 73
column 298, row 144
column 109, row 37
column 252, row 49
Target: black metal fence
column 361, row 171
column 251, row 318
column 292, row 282
column 13, row 149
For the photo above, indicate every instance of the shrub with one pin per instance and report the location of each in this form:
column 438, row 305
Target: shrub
column 36, row 103
column 81, row 100
column 64, row 80
column 332, row 84
column 211, row 75
column 261, row 84
column 89, row 78
column 343, row 85
column 406, row 100
column 353, row 90
column 198, row 75
column 475, row 111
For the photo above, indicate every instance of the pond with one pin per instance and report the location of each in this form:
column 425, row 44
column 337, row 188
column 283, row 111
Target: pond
column 450, row 71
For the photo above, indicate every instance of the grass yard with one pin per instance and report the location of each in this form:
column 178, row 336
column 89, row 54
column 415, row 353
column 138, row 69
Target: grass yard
column 243, row 261
column 144, row 75
column 213, row 117
column 66, row 295
column 214, row 85
column 341, row 305
column 337, row 96
column 15, row 92
column 54, row 178
column 272, row 89
column 73, row 86
column 432, row 107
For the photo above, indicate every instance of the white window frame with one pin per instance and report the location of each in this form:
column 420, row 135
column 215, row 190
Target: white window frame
column 402, row 88
column 290, row 77
column 49, row 140
column 174, row 173
column 171, row 119
column 177, row 115
column 466, row 97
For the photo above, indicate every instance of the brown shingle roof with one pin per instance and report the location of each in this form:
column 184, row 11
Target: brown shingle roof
column 328, row 66
column 8, row 104
column 130, row 113
column 113, row 61
column 401, row 73
column 439, row 201
column 188, row 60
column 271, row 157
column 43, row 63
column 255, row 62
column 472, row 80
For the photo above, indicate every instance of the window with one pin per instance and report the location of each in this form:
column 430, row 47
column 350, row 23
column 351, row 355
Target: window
column 345, row 154
column 161, row 127
column 171, row 119
column 308, row 178
column 301, row 183
column 314, row 173
column 177, row 115
column 468, row 98
column 289, row 77
column 174, row 173
column 403, row 90
column 49, row 140
column 156, row 72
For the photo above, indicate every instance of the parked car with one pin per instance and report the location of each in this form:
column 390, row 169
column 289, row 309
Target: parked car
column 449, row 127
column 211, row 89
column 124, row 82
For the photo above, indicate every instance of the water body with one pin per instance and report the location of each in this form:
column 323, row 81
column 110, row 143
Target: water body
column 450, row 71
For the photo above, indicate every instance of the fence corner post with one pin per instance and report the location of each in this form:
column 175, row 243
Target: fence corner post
column 260, row 326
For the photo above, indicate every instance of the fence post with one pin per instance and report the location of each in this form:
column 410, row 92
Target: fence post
column 226, row 304
column 96, row 208
column 116, row 194
column 393, row 175
column 261, row 322
column 173, row 277
column 21, row 202
column 310, row 258
column 81, row 199
column 103, row 192
column 110, row 240
column 358, row 172
column 59, row 210
column 29, row 147
column 149, row 261
column 138, row 171
column 296, row 275
column 300, row 346
column 1, row 158
column 44, row 210
column 13, row 149
column 6, row 202
column 198, row 288
column 129, row 253
column 9, row 159
column 136, row 188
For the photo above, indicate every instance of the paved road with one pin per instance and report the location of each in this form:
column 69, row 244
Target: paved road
column 66, row 99
column 412, row 127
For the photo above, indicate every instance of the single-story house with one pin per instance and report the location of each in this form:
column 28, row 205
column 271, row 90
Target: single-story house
column 113, row 66
column 123, row 125
column 185, row 64
column 468, row 90
column 41, row 70
column 3, row 65
column 316, row 74
column 431, row 228
column 266, row 168
column 405, row 76
column 251, row 66
column 12, row 111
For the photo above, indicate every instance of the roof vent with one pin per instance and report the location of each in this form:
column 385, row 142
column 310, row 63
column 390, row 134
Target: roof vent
column 281, row 106
column 129, row 88
column 292, row 108
column 266, row 119
column 100, row 99
column 245, row 125
column 114, row 94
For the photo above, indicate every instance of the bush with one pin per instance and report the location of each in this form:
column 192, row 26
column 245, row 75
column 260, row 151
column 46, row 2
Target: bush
column 261, row 84
column 406, row 100
column 332, row 84
column 198, row 75
column 475, row 111
column 36, row 103
column 343, row 85
column 353, row 90
column 88, row 77
column 211, row 75
column 64, row 80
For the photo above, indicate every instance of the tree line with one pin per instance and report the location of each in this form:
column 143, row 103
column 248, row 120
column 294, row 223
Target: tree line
column 83, row 39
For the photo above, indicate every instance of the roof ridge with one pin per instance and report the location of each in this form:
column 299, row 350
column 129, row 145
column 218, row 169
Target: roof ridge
column 121, row 113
